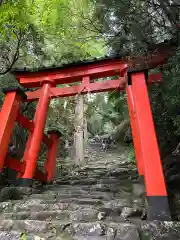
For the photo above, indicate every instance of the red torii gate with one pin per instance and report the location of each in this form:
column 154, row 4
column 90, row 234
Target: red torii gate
column 133, row 81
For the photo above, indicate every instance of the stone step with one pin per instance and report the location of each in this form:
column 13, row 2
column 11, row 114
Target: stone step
column 93, row 181
column 93, row 238
column 80, row 176
column 18, row 235
column 58, row 187
column 97, row 187
column 107, row 208
column 13, row 235
column 104, row 166
column 113, row 180
column 108, row 160
column 123, row 199
column 159, row 230
column 128, row 199
column 51, row 199
column 80, row 201
column 102, row 163
column 123, row 186
column 112, row 187
column 85, row 172
column 88, row 181
column 98, row 174
column 84, row 194
column 101, row 184
column 94, row 190
column 82, row 191
column 62, row 195
column 123, row 183
column 116, row 230
column 102, row 170
column 84, row 215
column 121, row 172
column 53, row 229
column 96, row 169
column 124, row 202
column 33, row 230
column 16, row 193
column 40, row 205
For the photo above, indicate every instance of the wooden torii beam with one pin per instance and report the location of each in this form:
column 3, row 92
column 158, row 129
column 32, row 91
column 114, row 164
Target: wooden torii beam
column 107, row 85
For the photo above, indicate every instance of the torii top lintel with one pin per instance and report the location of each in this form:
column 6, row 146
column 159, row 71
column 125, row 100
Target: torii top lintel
column 104, row 67
column 70, row 73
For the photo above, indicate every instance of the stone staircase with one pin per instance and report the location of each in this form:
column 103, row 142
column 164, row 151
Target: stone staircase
column 101, row 200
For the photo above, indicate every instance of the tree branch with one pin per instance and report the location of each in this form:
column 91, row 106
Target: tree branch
column 16, row 54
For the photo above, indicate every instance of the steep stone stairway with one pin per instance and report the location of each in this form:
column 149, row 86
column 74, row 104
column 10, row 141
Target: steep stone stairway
column 100, row 200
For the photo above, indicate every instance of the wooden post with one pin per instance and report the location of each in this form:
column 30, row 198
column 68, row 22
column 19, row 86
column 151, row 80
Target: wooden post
column 158, row 207
column 31, row 154
column 50, row 163
column 8, row 115
column 79, row 132
column 135, row 132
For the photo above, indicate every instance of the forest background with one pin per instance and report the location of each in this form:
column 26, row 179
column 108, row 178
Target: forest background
column 37, row 33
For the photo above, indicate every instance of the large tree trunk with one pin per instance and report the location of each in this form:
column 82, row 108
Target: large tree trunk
column 79, row 130
column 85, row 126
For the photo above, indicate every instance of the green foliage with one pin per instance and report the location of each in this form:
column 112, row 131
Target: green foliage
column 23, row 236
column 131, row 154
column 133, row 27
column 61, row 116
column 119, row 104
column 66, row 30
column 13, row 17
column 49, row 32
column 165, row 102
column 104, row 114
column 45, row 33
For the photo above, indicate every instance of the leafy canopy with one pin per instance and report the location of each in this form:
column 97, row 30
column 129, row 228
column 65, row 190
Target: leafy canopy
column 54, row 31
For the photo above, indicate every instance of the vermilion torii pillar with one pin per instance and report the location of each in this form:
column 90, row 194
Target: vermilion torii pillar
column 152, row 167
column 135, row 132
column 51, row 156
column 8, row 115
column 34, row 143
